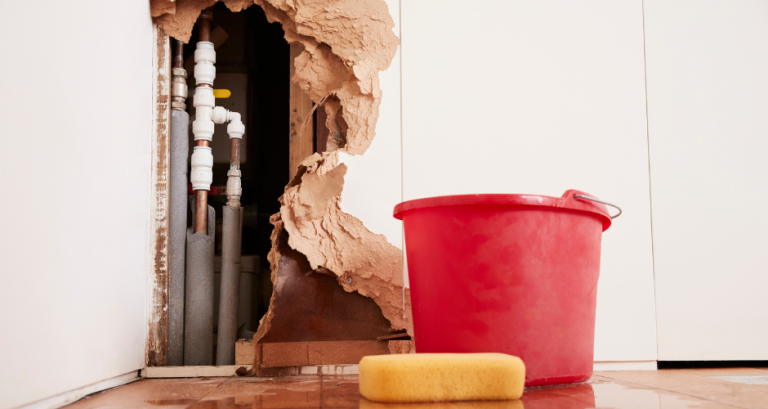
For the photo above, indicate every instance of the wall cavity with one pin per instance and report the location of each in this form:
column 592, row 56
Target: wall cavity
column 346, row 44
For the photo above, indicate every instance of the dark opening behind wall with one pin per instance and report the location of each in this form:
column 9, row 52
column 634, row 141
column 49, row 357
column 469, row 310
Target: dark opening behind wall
column 259, row 50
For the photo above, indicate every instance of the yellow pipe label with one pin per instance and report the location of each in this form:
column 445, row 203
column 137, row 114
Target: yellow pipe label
column 221, row 93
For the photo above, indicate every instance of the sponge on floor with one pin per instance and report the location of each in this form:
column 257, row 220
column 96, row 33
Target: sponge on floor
column 441, row 377
column 474, row 404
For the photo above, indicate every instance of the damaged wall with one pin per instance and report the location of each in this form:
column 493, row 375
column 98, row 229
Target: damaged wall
column 347, row 44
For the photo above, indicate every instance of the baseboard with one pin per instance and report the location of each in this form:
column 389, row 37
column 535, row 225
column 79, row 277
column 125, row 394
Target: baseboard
column 624, row 366
column 66, row 398
column 711, row 364
column 190, row 371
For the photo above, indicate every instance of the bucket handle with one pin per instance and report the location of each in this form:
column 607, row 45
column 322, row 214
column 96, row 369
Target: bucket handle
column 603, row 202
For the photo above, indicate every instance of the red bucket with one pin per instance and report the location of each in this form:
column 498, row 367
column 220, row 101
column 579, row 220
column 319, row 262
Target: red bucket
column 515, row 274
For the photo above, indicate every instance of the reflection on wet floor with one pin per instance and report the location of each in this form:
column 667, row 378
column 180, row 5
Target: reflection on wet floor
column 603, row 391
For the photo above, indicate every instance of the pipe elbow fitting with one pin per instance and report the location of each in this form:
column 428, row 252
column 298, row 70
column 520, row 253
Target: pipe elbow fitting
column 233, row 116
column 236, row 130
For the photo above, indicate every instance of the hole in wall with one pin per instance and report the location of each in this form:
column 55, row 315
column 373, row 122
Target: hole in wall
column 343, row 47
column 252, row 63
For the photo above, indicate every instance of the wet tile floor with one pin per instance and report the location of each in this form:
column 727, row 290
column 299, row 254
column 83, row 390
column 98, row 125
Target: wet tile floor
column 664, row 389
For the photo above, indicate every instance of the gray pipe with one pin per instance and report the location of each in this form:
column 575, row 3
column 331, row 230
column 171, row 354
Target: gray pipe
column 177, row 235
column 198, row 317
column 230, row 284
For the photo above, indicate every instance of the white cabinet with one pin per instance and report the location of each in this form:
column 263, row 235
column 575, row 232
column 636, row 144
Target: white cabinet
column 539, row 97
column 707, row 65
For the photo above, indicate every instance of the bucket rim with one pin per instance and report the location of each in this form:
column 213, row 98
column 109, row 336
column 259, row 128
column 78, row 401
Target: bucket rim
column 566, row 201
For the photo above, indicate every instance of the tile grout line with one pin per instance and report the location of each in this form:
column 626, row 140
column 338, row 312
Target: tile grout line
column 207, row 394
column 677, row 392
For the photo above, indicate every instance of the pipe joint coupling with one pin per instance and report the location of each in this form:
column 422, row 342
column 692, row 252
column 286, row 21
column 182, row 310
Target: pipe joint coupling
column 205, row 57
column 204, row 52
column 220, row 115
column 202, row 168
column 234, row 187
column 202, row 129
column 205, row 73
column 204, row 97
column 179, row 90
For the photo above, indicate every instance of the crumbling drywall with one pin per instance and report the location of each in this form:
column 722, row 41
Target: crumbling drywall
column 364, row 261
column 346, row 44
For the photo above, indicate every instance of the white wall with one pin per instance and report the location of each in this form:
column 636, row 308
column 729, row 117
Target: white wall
column 707, row 103
column 539, row 97
column 76, row 181
column 372, row 185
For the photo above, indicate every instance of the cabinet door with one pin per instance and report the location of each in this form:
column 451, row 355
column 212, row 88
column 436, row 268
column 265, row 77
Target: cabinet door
column 707, row 103
column 539, row 97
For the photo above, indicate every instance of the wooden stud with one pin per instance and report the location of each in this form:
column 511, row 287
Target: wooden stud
column 157, row 340
column 322, row 133
column 244, row 352
column 301, row 146
column 285, row 354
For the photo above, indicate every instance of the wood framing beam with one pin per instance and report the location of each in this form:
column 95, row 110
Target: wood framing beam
column 244, row 352
column 301, row 146
column 282, row 354
column 323, row 133
column 157, row 339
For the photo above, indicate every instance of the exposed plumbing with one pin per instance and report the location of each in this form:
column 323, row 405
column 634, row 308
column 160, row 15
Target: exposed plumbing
column 177, row 239
column 202, row 158
column 199, row 308
column 206, row 115
column 231, row 242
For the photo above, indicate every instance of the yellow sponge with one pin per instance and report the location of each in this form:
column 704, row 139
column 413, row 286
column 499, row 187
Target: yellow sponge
column 469, row 404
column 441, row 377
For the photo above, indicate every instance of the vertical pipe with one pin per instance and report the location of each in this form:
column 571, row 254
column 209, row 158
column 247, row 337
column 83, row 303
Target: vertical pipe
column 231, row 243
column 201, row 203
column 198, row 309
column 230, row 286
column 205, row 25
column 178, row 208
column 234, row 156
column 201, row 196
column 178, row 54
